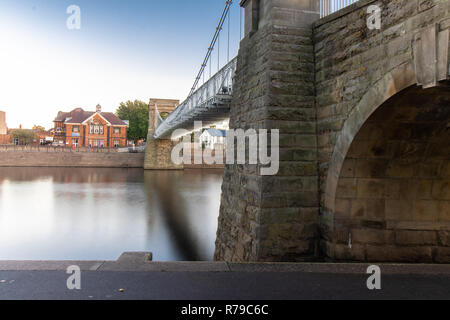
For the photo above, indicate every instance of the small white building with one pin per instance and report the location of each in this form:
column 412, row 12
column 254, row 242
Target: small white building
column 211, row 137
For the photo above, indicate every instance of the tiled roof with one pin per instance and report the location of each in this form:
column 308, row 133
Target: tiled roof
column 113, row 119
column 62, row 116
column 79, row 116
column 217, row 132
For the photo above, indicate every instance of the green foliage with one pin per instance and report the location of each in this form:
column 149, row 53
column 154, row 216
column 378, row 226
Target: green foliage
column 38, row 128
column 25, row 136
column 137, row 114
column 164, row 115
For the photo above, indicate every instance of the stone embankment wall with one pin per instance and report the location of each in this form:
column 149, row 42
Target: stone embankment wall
column 71, row 159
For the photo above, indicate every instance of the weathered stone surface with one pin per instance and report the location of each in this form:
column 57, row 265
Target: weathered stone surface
column 158, row 151
column 71, row 159
column 364, row 171
column 383, row 173
column 274, row 89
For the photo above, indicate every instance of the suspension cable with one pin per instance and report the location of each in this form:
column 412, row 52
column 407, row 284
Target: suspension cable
column 211, row 46
column 240, row 24
column 228, row 50
column 218, row 51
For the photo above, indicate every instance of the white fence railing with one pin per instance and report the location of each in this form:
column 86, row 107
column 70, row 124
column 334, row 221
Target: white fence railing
column 328, row 7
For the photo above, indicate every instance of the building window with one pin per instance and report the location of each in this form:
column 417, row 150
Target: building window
column 116, row 143
column 59, row 129
column 117, row 130
column 16, row 141
column 76, row 129
column 96, row 129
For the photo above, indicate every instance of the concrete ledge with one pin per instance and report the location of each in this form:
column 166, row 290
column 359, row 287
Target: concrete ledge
column 141, row 262
column 341, row 268
column 166, row 267
column 48, row 265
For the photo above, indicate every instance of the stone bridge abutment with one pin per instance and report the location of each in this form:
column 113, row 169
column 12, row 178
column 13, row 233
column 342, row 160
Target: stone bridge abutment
column 158, row 151
column 364, row 120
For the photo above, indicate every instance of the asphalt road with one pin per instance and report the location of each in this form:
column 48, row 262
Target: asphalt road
column 44, row 285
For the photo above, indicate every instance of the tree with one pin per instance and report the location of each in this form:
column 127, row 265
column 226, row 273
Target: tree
column 24, row 136
column 38, row 128
column 137, row 114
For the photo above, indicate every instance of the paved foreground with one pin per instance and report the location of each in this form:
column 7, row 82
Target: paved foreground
column 134, row 277
column 222, row 285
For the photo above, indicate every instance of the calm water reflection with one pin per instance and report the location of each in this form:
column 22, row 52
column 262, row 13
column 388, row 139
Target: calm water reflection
column 71, row 213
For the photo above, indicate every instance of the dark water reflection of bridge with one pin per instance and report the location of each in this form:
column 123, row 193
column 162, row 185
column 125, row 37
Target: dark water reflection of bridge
column 93, row 213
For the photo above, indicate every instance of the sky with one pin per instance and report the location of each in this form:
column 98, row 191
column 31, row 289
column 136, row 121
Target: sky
column 124, row 50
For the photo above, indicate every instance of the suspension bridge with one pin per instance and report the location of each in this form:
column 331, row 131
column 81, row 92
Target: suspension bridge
column 209, row 99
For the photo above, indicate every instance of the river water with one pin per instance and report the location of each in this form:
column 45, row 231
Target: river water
column 96, row 214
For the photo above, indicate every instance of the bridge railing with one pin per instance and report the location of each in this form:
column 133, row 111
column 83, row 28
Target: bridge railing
column 219, row 85
column 328, row 7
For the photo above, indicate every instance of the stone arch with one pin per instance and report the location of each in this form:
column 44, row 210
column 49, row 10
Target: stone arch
column 395, row 81
column 381, row 96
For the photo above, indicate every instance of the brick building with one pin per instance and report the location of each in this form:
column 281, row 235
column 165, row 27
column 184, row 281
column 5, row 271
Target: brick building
column 90, row 129
column 4, row 137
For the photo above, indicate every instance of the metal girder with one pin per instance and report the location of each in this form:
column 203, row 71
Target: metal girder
column 212, row 100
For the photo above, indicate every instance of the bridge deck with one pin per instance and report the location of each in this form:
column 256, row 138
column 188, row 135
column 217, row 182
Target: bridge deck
column 209, row 104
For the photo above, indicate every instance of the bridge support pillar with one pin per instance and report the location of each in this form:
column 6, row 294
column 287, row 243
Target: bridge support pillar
column 274, row 218
column 158, row 151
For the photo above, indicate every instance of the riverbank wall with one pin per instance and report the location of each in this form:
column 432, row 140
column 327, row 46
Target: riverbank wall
column 71, row 159
column 54, row 157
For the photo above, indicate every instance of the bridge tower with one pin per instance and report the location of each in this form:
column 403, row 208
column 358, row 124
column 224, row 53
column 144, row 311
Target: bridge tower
column 158, row 151
column 274, row 218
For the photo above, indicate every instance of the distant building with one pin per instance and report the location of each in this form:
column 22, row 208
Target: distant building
column 4, row 137
column 224, row 125
column 21, row 137
column 90, row 129
column 3, row 126
column 210, row 137
column 43, row 138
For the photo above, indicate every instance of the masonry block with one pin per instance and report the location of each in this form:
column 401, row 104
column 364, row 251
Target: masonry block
column 363, row 118
column 158, row 152
column 273, row 89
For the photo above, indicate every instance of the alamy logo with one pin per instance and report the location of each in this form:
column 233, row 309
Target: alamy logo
column 236, row 149
column 74, row 281
column 374, row 18
column 74, row 20
column 374, row 281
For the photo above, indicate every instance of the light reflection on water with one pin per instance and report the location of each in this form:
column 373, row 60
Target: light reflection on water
column 96, row 214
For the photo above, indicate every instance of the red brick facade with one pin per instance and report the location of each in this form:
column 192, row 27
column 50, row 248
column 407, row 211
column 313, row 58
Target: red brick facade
column 90, row 129
column 5, row 139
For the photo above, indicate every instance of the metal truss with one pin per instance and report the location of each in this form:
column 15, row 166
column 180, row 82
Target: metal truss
column 209, row 104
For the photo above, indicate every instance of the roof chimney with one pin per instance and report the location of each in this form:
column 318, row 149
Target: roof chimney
column 99, row 108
